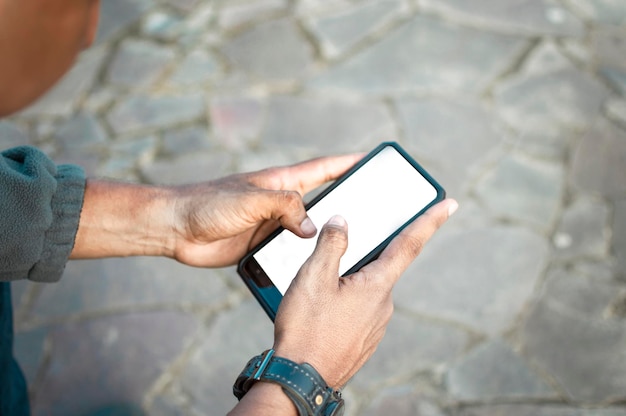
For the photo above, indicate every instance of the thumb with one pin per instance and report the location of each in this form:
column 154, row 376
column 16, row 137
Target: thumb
column 323, row 265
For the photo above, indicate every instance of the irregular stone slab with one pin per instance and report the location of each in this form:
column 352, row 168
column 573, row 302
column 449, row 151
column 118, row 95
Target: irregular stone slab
column 609, row 47
column 83, row 130
column 616, row 109
column 598, row 163
column 185, row 6
column 139, row 149
column 139, row 63
column 409, row 346
column 605, row 412
column 274, row 51
column 189, row 168
column 235, row 337
column 402, row 401
column 531, row 17
column 162, row 26
column 117, row 15
column 116, row 360
column 616, row 78
column 524, row 189
column 583, row 230
column 494, row 371
column 111, row 284
column 605, row 11
column 11, row 135
column 28, row 347
column 545, row 99
column 334, row 125
column 236, row 121
column 234, row 14
column 186, row 140
column 142, row 112
column 451, row 58
column 481, row 277
column 341, row 31
column 570, row 335
column 619, row 238
column 198, row 67
column 62, row 99
column 456, row 137
column 520, row 410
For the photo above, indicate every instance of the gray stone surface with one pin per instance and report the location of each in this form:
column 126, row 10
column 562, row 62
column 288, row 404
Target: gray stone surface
column 139, row 63
column 128, row 349
column 335, row 125
column 547, row 101
column 234, row 337
column 480, row 277
column 515, row 107
column 95, row 286
column 340, row 32
column 83, row 130
column 141, row 112
column 598, row 166
column 402, row 401
column 619, row 238
column 237, row 13
column 520, row 410
column 583, row 231
column 411, row 346
column 117, row 15
column 494, row 371
column 12, row 135
column 524, row 189
column 604, row 11
column 186, row 140
column 199, row 67
column 236, row 121
column 545, row 17
column 275, row 50
column 571, row 320
column 451, row 58
column 189, row 168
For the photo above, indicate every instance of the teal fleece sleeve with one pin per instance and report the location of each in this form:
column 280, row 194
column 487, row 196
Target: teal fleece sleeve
column 40, row 206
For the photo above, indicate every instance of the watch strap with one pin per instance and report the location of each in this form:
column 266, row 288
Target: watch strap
column 301, row 382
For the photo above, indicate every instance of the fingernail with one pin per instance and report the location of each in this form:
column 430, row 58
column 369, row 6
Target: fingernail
column 308, row 227
column 337, row 220
column 452, row 208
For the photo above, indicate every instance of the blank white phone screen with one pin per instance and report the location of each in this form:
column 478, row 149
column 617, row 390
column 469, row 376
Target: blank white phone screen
column 375, row 200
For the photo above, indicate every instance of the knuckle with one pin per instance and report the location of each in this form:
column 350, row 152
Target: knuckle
column 289, row 199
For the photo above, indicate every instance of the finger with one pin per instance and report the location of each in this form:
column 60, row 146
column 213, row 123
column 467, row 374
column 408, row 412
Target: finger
column 404, row 248
column 287, row 208
column 323, row 265
column 306, row 176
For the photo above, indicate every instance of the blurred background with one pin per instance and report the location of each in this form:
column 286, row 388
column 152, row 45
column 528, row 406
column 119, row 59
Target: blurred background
column 517, row 307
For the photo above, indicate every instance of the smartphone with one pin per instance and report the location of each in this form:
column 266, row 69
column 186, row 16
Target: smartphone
column 378, row 197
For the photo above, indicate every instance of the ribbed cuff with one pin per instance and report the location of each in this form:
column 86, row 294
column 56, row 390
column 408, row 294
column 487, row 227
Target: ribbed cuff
column 67, row 203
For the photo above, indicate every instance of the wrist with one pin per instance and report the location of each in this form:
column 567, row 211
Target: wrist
column 300, row 382
column 121, row 219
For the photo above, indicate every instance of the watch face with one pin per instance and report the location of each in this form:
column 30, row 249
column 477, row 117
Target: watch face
column 335, row 408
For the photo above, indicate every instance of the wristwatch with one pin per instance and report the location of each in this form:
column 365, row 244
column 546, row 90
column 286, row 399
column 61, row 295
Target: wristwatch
column 300, row 382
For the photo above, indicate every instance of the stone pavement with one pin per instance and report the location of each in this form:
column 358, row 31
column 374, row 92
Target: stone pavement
column 517, row 307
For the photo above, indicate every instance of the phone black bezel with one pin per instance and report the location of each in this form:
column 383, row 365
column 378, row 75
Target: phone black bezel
column 256, row 279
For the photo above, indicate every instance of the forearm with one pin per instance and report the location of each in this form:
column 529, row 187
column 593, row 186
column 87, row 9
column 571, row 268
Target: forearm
column 121, row 219
column 265, row 399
